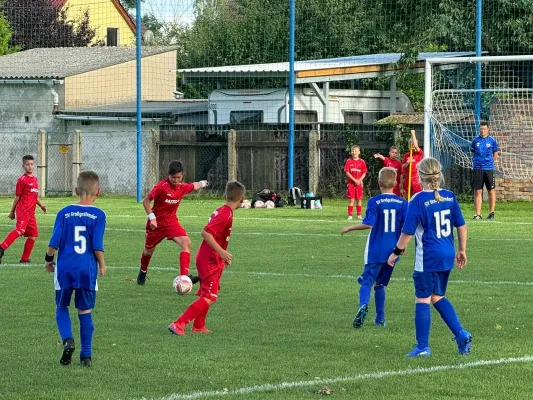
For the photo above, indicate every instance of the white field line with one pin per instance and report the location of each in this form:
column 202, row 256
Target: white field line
column 277, row 387
column 282, row 274
column 295, row 219
column 295, row 234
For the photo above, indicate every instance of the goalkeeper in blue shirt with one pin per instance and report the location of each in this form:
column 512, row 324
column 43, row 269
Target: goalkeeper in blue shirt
column 431, row 217
column 78, row 236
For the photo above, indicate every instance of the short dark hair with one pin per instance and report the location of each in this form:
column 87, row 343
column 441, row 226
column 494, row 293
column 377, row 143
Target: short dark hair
column 88, row 182
column 484, row 123
column 27, row 157
column 174, row 167
column 234, row 191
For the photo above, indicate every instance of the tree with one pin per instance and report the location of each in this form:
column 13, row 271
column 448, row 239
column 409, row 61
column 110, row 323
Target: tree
column 5, row 36
column 36, row 23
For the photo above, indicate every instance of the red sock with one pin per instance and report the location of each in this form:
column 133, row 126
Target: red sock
column 185, row 261
column 10, row 238
column 199, row 321
column 350, row 211
column 145, row 261
column 196, row 309
column 28, row 247
column 359, row 209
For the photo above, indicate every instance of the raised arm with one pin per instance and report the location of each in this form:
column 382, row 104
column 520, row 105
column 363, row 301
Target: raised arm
column 200, row 185
column 414, row 141
column 377, row 155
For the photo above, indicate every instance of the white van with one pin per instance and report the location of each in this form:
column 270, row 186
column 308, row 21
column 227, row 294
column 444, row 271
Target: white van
column 234, row 106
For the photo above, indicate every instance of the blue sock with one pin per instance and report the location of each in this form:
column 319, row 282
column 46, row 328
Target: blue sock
column 364, row 295
column 63, row 322
column 448, row 315
column 379, row 297
column 422, row 324
column 86, row 334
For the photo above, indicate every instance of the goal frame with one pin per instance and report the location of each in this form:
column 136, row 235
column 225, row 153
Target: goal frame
column 428, row 75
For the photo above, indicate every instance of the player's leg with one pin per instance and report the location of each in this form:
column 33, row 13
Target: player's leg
column 381, row 283
column 31, row 233
column 490, row 183
column 85, row 300
column 477, row 185
column 359, row 198
column 350, row 195
column 366, row 280
column 64, row 325
column 19, row 230
column 153, row 238
column 423, row 284
column 448, row 313
column 178, row 234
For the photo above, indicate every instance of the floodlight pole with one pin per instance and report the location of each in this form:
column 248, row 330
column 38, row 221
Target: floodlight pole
column 138, row 53
column 477, row 105
column 290, row 157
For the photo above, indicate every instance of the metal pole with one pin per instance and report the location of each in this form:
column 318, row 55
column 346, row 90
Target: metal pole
column 479, row 18
column 290, row 158
column 427, row 109
column 138, row 47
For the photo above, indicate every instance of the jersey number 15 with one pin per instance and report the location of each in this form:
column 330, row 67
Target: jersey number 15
column 443, row 223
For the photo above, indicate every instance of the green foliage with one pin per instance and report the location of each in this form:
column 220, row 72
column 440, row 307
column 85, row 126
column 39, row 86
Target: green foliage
column 5, row 36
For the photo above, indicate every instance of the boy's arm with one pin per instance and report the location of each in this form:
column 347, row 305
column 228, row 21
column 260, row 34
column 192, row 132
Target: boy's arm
column 49, row 262
column 43, row 207
column 210, row 240
column 414, row 140
column 147, row 204
column 377, row 155
column 15, row 202
column 101, row 264
column 359, row 227
column 400, row 248
column 351, row 178
column 200, row 185
column 460, row 257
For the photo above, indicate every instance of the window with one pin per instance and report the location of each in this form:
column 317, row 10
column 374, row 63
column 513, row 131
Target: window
column 245, row 117
column 302, row 116
column 352, row 117
column 112, row 37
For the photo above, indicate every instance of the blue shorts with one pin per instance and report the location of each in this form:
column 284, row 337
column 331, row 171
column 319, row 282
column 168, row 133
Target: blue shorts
column 427, row 283
column 84, row 299
column 379, row 273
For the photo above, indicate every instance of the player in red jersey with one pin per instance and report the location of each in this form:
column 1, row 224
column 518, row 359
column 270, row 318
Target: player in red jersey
column 392, row 162
column 26, row 198
column 418, row 155
column 162, row 220
column 355, row 169
column 211, row 259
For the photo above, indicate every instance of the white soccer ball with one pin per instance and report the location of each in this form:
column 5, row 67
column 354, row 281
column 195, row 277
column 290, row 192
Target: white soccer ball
column 270, row 204
column 246, row 204
column 259, row 204
column 182, row 285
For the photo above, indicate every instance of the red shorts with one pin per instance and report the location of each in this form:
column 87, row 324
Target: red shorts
column 354, row 192
column 210, row 275
column 27, row 226
column 154, row 237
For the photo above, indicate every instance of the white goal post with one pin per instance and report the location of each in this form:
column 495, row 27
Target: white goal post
column 455, row 102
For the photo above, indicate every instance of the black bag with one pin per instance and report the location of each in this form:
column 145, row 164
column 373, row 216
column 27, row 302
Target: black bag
column 295, row 196
column 264, row 195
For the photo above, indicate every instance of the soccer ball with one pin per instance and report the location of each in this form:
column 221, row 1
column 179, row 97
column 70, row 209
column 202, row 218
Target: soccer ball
column 270, row 204
column 182, row 285
column 259, row 204
column 246, row 204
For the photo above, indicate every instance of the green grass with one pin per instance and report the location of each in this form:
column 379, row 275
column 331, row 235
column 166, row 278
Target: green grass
column 284, row 314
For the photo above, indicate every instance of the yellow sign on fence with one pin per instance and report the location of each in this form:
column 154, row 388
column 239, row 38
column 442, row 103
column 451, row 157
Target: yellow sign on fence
column 63, row 149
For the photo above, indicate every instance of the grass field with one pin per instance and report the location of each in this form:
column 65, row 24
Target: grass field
column 282, row 328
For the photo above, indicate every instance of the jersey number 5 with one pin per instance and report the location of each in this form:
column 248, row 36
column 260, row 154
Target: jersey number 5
column 81, row 247
column 443, row 225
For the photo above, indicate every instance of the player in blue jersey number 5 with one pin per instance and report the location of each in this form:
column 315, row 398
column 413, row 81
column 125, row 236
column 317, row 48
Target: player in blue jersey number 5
column 431, row 216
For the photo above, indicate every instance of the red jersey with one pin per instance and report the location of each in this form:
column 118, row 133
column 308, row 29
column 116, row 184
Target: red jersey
column 356, row 168
column 219, row 225
column 396, row 164
column 417, row 157
column 167, row 199
column 28, row 190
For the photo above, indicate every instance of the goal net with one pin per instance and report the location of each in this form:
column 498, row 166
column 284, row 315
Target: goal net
column 504, row 99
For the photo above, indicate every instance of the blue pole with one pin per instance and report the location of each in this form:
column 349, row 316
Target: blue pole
column 477, row 110
column 290, row 160
column 139, row 94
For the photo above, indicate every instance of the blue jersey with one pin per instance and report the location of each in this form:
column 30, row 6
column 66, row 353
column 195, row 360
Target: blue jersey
column 484, row 149
column 385, row 213
column 78, row 232
column 432, row 223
